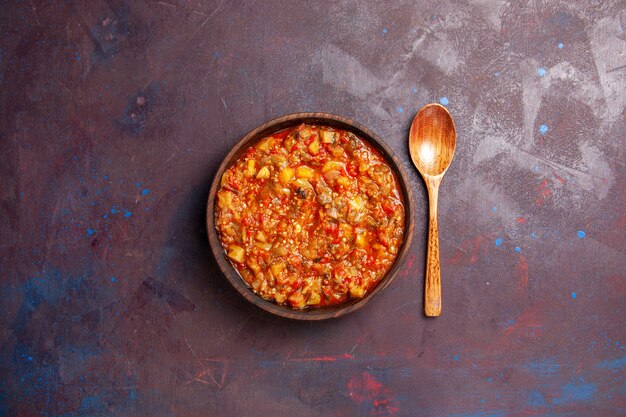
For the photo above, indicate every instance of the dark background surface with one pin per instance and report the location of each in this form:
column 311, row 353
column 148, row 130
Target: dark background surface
column 115, row 116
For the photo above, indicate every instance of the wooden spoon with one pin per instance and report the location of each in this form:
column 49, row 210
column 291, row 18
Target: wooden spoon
column 432, row 140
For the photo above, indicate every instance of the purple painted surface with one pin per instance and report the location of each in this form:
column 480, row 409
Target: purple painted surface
column 115, row 116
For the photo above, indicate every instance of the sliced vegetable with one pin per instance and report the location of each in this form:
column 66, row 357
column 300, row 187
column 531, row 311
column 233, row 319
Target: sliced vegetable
column 305, row 172
column 357, row 203
column 328, row 136
column 286, row 175
column 343, row 181
column 265, row 144
column 314, row 147
column 263, row 245
column 333, row 166
column 225, row 199
column 264, row 173
column 304, row 132
column 314, row 299
column 360, row 241
column 357, row 292
column 332, row 175
column 297, row 300
column 236, row 253
column 251, row 168
column 302, row 183
column 255, row 267
column 277, row 268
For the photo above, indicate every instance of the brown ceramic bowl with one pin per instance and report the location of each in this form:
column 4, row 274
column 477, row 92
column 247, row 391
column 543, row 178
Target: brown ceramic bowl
column 267, row 129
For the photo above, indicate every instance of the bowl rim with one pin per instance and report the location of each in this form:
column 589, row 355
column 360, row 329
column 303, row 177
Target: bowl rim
column 278, row 124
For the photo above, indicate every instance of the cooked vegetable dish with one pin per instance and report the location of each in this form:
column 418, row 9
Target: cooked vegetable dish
column 310, row 216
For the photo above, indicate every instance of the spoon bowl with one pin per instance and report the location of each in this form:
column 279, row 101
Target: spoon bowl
column 432, row 141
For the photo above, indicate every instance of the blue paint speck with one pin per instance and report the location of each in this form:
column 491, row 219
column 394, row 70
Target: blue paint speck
column 414, row 90
column 456, row 358
column 614, row 365
column 536, row 168
column 518, row 249
column 543, row 129
column 400, row 109
column 499, row 241
column 497, row 74
column 533, row 234
column 560, row 45
column 490, row 379
column 30, row 358
column 444, row 101
column 137, row 184
column 581, row 234
column 385, row 31
column 114, row 210
column 541, row 71
column 128, row 213
column 113, row 279
column 145, row 191
column 90, row 232
column 106, row 177
column 573, row 295
column 576, row 391
column 106, row 216
column 494, row 209
column 536, row 399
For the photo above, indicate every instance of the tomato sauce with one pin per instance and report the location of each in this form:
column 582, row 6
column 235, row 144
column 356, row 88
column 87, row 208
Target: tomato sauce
column 310, row 216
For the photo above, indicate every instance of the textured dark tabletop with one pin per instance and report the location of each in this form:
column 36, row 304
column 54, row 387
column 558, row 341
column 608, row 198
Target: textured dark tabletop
column 114, row 117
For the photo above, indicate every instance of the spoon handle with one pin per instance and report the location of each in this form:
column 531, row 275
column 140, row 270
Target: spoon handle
column 432, row 293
